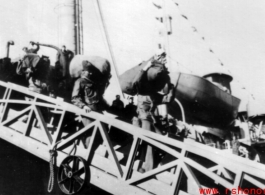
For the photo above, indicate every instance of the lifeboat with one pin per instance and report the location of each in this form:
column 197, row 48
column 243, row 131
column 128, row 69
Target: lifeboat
column 203, row 102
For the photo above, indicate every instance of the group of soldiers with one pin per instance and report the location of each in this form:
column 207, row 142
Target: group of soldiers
column 39, row 75
column 125, row 113
column 151, row 109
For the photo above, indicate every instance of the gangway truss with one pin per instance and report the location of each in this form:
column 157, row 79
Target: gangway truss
column 110, row 160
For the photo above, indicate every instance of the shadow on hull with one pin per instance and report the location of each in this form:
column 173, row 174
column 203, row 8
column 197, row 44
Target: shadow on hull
column 203, row 102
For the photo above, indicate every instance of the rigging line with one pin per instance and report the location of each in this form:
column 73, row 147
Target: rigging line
column 210, row 50
column 107, row 40
column 166, row 27
column 243, row 87
column 179, row 64
column 194, row 29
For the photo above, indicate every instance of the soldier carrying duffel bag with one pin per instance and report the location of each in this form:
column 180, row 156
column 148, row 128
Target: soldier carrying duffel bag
column 136, row 81
column 151, row 82
column 35, row 69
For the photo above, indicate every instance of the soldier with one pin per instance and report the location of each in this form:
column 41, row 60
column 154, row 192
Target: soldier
column 68, row 55
column 86, row 93
column 148, row 104
column 235, row 145
column 32, row 50
column 117, row 106
column 130, row 110
column 35, row 69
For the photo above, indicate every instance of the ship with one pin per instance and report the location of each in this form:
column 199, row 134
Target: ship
column 45, row 133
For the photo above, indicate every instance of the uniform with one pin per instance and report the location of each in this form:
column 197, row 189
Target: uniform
column 28, row 51
column 68, row 55
column 146, row 107
column 86, row 93
column 130, row 111
column 117, row 107
column 35, row 69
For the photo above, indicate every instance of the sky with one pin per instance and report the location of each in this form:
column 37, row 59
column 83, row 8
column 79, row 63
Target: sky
column 232, row 29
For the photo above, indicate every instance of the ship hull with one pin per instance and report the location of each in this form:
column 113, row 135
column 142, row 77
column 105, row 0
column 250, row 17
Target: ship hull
column 203, row 102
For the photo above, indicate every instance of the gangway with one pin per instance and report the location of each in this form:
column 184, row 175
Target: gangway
column 40, row 124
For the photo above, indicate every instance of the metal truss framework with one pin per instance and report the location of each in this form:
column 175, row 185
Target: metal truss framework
column 38, row 123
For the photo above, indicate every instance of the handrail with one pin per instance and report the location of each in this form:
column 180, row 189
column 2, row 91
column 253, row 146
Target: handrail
column 223, row 162
column 214, row 153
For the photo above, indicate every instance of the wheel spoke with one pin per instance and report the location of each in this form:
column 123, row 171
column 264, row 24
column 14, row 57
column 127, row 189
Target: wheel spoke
column 75, row 164
column 69, row 175
column 63, row 180
column 78, row 179
column 68, row 168
column 69, row 162
column 79, row 172
column 71, row 186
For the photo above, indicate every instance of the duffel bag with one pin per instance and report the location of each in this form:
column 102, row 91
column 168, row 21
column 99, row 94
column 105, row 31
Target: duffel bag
column 154, row 79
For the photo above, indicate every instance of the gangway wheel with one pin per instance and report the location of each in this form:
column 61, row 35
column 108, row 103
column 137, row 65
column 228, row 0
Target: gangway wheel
column 72, row 174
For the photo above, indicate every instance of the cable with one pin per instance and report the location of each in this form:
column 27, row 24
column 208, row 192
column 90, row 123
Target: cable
column 107, row 41
column 203, row 38
column 179, row 64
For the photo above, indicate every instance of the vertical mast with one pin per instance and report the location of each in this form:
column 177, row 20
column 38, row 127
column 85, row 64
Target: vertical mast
column 70, row 25
column 79, row 27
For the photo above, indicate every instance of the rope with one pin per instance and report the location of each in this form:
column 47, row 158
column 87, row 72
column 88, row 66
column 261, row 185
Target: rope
column 74, row 148
column 51, row 178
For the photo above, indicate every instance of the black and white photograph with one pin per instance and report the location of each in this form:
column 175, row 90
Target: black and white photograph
column 132, row 97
